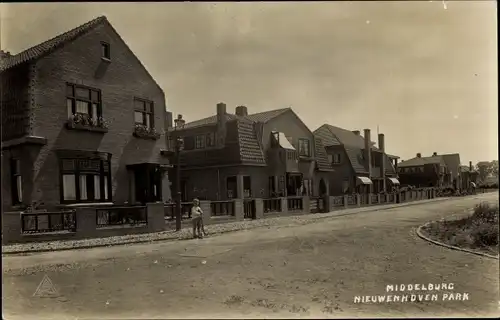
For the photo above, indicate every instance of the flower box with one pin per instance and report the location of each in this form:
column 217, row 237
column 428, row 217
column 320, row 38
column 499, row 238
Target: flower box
column 143, row 132
column 84, row 122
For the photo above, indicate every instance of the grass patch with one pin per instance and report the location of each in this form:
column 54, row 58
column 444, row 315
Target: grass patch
column 478, row 231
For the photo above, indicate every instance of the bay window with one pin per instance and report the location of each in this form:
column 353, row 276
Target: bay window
column 85, row 180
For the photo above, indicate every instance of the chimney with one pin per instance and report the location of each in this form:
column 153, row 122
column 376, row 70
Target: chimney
column 419, row 155
column 470, row 166
column 241, row 111
column 221, row 124
column 434, row 154
column 356, row 132
column 368, row 152
column 169, row 120
column 381, row 146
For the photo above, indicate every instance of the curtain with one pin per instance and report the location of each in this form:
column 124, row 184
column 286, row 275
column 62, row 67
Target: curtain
column 69, row 190
column 83, row 187
column 19, row 190
column 97, row 187
column 106, row 197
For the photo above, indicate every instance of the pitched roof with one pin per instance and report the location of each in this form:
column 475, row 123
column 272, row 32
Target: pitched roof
column 50, row 45
column 263, row 117
column 322, row 162
column 266, row 116
column 452, row 161
column 248, row 149
column 244, row 149
column 464, row 169
column 326, row 136
column 355, row 156
column 420, row 161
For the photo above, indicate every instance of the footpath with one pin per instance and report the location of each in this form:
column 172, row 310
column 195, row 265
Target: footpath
column 212, row 229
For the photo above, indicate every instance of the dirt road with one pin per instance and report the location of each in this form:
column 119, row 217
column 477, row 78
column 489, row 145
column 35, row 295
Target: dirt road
column 312, row 270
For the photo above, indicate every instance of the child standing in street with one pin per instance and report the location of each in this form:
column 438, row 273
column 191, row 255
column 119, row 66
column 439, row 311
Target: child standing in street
column 197, row 219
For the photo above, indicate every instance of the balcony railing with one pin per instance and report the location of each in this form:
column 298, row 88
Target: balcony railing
column 121, row 216
column 44, row 222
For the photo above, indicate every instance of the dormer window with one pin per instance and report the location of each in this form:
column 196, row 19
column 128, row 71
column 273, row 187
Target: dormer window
column 106, row 53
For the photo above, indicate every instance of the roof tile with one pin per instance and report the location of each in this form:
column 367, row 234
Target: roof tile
column 49, row 45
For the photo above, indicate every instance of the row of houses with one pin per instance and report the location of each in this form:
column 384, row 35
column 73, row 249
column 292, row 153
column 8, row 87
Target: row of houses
column 83, row 122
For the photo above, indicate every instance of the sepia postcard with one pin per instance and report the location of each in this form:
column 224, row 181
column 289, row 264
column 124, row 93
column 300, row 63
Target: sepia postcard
column 249, row 160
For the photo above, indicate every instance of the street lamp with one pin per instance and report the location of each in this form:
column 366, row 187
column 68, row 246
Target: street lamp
column 179, row 124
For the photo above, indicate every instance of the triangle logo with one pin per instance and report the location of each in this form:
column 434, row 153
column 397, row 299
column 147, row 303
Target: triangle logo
column 45, row 288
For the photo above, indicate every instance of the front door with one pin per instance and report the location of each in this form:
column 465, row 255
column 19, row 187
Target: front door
column 148, row 184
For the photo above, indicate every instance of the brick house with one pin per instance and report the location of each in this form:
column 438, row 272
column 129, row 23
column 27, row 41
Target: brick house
column 244, row 155
column 469, row 176
column 433, row 171
column 358, row 165
column 83, row 122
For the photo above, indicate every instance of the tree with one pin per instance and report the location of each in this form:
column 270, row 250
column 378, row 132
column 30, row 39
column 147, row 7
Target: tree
column 487, row 169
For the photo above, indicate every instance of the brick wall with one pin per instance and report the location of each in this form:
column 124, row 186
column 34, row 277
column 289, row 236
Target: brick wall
column 120, row 81
column 14, row 95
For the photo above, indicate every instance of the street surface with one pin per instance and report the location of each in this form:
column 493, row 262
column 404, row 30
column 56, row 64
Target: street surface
column 311, row 270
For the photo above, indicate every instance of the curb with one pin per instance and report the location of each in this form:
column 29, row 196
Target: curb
column 331, row 214
column 424, row 237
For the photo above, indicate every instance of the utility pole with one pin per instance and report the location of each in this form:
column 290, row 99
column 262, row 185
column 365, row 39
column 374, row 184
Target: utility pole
column 179, row 123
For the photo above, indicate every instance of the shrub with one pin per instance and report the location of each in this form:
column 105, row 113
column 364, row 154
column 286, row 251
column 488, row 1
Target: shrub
column 485, row 235
column 485, row 213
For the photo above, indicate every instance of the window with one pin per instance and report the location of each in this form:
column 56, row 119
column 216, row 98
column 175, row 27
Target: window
column 211, row 139
column 17, row 184
column 83, row 100
column 85, row 180
column 188, row 143
column 304, row 148
column 336, row 158
column 144, row 112
column 200, row 142
column 106, row 53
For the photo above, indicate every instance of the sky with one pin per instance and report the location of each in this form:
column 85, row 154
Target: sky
column 423, row 72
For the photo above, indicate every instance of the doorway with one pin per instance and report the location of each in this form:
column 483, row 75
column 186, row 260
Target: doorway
column 148, row 183
column 294, row 182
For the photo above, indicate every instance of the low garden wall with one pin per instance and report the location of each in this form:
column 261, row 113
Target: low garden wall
column 97, row 222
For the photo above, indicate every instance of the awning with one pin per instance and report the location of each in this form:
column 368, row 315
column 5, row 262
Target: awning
column 473, row 184
column 283, row 141
column 364, row 180
column 393, row 180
